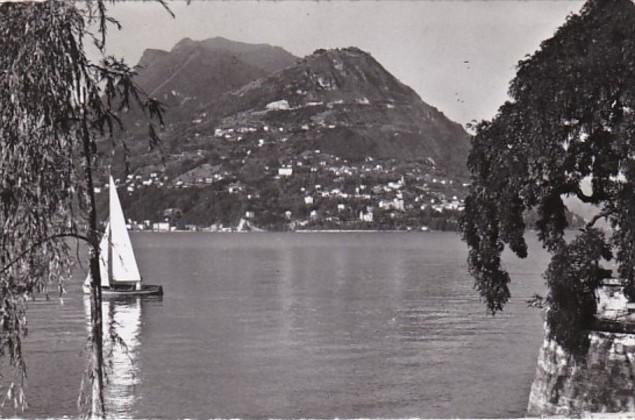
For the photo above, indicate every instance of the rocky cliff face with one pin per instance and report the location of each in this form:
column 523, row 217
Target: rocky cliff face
column 603, row 382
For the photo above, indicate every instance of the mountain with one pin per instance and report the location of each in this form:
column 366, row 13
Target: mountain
column 352, row 107
column 333, row 140
column 195, row 72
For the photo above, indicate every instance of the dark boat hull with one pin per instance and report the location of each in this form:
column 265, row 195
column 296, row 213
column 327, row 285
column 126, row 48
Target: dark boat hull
column 146, row 290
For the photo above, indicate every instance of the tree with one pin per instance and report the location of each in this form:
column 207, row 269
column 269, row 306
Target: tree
column 55, row 104
column 570, row 123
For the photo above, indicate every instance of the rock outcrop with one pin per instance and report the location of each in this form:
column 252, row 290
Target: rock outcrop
column 603, row 381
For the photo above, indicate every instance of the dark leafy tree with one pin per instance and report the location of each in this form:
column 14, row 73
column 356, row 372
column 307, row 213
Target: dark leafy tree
column 570, row 123
column 55, row 103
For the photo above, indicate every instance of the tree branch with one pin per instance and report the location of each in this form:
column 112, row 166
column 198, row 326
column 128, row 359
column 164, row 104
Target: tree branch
column 592, row 199
column 40, row 243
column 603, row 214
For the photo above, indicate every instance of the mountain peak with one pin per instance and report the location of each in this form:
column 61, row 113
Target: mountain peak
column 336, row 74
column 150, row 56
column 340, row 51
column 262, row 56
column 185, row 42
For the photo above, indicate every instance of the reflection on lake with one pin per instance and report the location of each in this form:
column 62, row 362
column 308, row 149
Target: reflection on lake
column 299, row 325
column 122, row 339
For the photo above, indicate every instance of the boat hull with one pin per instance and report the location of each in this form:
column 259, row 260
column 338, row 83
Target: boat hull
column 146, row 290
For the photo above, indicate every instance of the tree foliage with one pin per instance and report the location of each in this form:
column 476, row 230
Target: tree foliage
column 570, row 121
column 55, row 103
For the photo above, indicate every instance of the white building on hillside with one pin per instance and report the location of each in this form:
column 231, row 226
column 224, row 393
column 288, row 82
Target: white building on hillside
column 285, row 171
column 366, row 216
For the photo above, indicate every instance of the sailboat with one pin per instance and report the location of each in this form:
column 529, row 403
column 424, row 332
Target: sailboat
column 118, row 267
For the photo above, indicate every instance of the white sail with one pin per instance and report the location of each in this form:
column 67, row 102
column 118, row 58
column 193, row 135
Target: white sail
column 103, row 261
column 123, row 264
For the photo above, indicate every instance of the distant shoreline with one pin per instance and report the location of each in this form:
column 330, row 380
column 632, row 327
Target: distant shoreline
column 300, row 231
column 355, row 231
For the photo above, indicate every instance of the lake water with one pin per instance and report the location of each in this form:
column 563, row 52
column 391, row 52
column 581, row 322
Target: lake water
column 298, row 325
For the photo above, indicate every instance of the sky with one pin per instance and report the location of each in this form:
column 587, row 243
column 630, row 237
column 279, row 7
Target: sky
column 459, row 56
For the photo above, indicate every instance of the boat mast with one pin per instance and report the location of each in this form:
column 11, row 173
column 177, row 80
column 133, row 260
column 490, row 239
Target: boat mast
column 109, row 233
column 110, row 279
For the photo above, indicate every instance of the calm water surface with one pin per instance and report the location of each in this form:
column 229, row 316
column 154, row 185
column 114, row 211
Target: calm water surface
column 298, row 325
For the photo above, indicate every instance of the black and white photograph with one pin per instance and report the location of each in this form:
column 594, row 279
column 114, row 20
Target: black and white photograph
column 329, row 209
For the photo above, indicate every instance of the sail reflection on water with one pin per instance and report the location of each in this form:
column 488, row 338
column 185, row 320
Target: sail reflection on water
column 121, row 338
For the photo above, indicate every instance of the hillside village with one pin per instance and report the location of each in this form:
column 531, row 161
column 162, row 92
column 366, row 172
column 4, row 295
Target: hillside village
column 311, row 190
column 315, row 191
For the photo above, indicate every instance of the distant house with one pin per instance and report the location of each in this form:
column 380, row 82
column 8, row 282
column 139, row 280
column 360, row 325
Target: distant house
column 366, row 216
column 397, row 184
column 396, row 204
column 281, row 105
column 285, row 171
column 249, row 214
column 161, row 227
column 235, row 187
column 308, row 200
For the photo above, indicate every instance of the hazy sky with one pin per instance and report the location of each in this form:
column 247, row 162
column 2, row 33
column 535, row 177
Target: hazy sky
column 423, row 43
